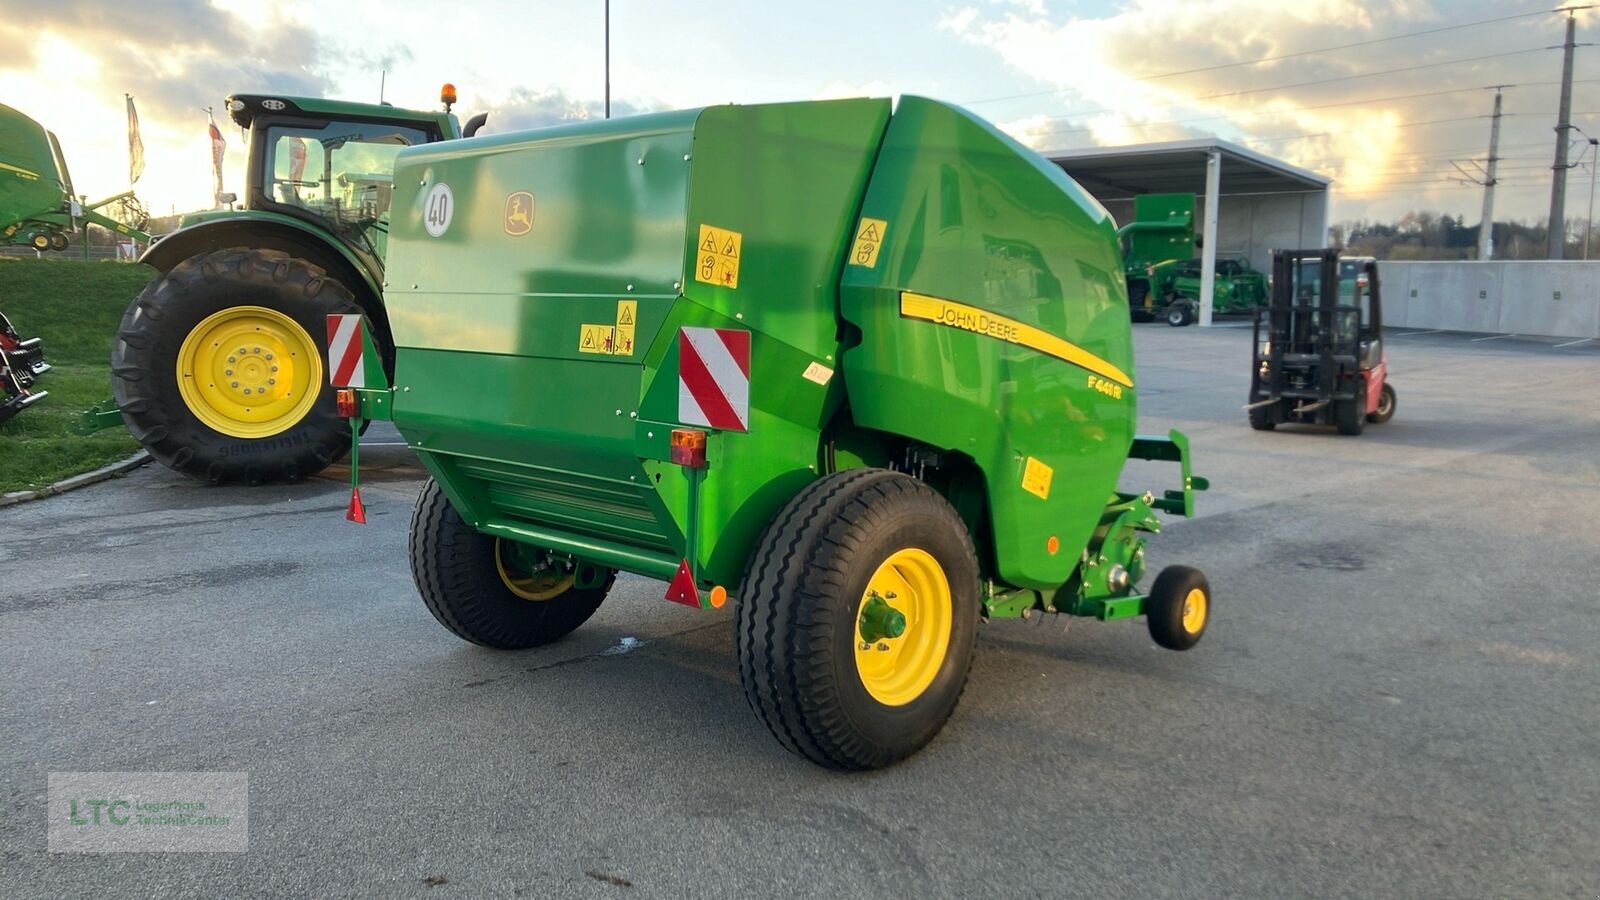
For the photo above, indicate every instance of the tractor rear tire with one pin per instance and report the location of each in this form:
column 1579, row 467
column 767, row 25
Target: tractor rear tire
column 461, row 580
column 1178, row 608
column 1385, row 410
column 1350, row 416
column 810, row 668
column 200, row 427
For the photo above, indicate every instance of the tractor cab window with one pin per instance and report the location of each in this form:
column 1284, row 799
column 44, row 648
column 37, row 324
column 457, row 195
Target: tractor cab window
column 341, row 171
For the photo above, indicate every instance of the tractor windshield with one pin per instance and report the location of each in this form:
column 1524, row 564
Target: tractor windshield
column 340, row 171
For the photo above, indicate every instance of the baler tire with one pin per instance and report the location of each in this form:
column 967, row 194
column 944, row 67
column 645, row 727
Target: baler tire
column 58, row 243
column 1350, row 416
column 796, row 621
column 1386, row 405
column 154, row 330
column 454, row 569
column 1169, row 610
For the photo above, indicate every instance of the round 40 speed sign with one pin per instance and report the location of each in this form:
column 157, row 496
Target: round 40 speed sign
column 438, row 208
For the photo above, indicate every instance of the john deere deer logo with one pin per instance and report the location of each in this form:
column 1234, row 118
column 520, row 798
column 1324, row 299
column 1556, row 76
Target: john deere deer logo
column 519, row 213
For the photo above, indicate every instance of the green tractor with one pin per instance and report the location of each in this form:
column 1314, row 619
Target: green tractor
column 218, row 365
column 1236, row 287
column 37, row 206
column 1160, row 235
column 865, row 369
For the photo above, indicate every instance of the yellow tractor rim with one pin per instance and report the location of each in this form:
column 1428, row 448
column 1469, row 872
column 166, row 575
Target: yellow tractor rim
column 249, row 372
column 542, row 586
column 1194, row 611
column 897, row 668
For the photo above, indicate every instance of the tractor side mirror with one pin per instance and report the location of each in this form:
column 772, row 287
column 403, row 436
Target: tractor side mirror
column 474, row 123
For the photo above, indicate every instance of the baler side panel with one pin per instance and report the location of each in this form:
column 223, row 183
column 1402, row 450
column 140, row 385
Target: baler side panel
column 974, row 218
column 30, row 184
column 787, row 178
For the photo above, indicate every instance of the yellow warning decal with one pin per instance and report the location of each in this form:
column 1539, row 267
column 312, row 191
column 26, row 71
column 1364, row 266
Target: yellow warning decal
column 717, row 256
column 869, row 237
column 597, row 339
column 1036, row 478
column 627, row 318
column 982, row 321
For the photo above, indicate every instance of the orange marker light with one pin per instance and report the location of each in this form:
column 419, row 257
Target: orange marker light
column 1053, row 545
column 447, row 94
column 719, row 596
column 688, row 448
column 344, row 401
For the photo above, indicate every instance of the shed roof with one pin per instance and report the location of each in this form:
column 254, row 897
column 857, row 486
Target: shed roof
column 1121, row 172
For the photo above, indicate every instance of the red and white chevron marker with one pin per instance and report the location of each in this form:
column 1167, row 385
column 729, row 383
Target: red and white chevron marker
column 714, row 378
column 345, row 367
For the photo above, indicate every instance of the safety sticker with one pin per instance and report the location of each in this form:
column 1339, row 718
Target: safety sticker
column 597, row 339
column 627, row 318
column 1036, row 478
column 717, row 259
column 869, row 237
column 818, row 373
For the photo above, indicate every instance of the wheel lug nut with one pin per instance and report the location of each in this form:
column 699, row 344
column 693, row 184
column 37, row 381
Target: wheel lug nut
column 232, row 359
column 234, row 384
column 241, row 351
column 865, row 645
column 274, row 368
column 255, row 350
column 882, row 646
column 247, row 392
column 272, row 381
column 228, row 372
column 269, row 357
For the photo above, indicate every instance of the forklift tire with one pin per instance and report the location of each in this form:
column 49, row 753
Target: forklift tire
column 205, row 426
column 1179, row 315
column 1261, row 418
column 1350, row 416
column 1385, row 410
column 1178, row 608
column 465, row 583
column 834, row 686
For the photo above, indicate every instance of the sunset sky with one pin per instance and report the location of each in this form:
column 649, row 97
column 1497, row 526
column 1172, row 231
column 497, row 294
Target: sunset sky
column 1389, row 120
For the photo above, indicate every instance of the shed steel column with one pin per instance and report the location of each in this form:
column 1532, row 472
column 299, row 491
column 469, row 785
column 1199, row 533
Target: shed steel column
column 1208, row 238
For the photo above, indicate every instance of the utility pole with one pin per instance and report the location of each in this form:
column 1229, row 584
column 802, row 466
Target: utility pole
column 1558, row 181
column 608, row 60
column 1486, row 223
column 1594, row 158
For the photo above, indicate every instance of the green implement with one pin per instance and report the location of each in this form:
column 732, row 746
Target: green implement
column 37, row 206
column 868, row 370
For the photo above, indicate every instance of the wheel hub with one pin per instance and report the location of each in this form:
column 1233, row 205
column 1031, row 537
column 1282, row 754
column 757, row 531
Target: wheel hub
column 249, row 372
column 1194, row 611
column 903, row 627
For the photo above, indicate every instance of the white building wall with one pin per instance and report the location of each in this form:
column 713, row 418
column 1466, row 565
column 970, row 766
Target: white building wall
column 1254, row 225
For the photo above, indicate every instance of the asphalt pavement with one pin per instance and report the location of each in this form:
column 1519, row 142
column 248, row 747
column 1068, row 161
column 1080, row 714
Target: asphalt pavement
column 1398, row 694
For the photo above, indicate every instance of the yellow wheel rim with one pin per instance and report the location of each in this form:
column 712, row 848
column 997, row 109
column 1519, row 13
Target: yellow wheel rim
column 540, row 586
column 1194, row 611
column 249, row 372
column 896, row 669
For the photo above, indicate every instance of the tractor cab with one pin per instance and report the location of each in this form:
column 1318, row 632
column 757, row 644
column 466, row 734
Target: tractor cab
column 1318, row 349
column 331, row 163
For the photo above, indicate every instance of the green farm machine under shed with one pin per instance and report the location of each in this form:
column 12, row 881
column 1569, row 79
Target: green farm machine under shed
column 868, row 372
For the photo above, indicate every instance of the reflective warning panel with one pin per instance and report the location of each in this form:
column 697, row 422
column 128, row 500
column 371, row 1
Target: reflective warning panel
column 717, row 256
column 714, row 378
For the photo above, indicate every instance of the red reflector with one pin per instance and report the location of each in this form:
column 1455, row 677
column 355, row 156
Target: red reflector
column 344, row 401
column 688, row 448
column 357, row 512
column 682, row 589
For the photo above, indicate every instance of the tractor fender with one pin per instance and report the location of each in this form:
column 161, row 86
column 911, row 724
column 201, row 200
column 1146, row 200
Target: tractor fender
column 273, row 231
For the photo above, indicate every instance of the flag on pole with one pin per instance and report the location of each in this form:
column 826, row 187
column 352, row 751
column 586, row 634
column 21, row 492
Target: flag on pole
column 217, row 149
column 135, row 143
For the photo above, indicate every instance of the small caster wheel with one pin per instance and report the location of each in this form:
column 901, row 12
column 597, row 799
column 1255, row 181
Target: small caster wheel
column 1178, row 608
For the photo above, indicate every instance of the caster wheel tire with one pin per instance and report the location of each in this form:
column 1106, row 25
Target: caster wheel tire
column 1178, row 607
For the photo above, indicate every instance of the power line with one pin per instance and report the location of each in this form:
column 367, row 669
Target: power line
column 1298, row 53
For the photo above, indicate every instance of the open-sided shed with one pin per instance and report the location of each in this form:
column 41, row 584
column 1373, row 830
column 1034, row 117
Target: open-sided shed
column 1250, row 203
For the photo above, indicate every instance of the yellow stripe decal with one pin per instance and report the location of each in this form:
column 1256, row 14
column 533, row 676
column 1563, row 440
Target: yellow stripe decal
column 981, row 321
column 33, row 175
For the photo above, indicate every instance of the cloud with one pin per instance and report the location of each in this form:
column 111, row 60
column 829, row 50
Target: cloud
column 1100, row 80
column 525, row 108
column 173, row 55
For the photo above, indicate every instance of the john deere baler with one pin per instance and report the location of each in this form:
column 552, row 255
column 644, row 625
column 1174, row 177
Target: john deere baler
column 866, row 370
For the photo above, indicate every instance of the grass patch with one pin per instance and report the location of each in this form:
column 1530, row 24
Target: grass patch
column 74, row 306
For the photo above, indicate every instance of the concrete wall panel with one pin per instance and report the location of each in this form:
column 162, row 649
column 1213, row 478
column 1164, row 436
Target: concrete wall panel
column 1509, row 297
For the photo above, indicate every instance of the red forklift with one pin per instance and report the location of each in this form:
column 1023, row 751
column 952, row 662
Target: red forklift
column 1318, row 348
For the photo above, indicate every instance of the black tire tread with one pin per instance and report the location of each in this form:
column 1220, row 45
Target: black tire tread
column 148, row 396
column 453, row 567
column 781, row 631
